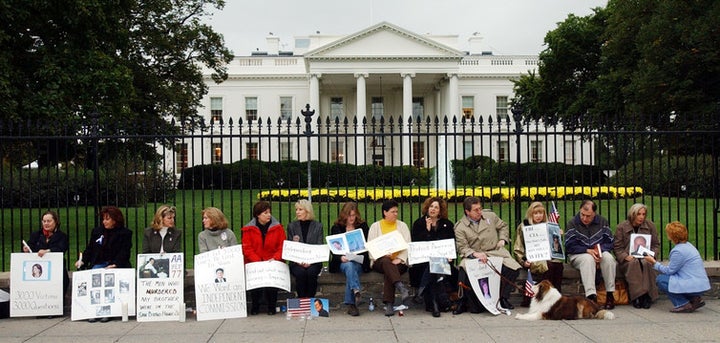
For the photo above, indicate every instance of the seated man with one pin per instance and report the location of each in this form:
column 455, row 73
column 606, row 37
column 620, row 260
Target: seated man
column 585, row 232
column 480, row 234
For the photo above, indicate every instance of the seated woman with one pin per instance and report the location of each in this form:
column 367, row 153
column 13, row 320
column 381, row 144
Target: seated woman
column 541, row 270
column 309, row 231
column 50, row 239
column 350, row 220
column 262, row 240
column 639, row 274
column 434, row 225
column 109, row 245
column 216, row 233
column 684, row 279
column 162, row 236
column 391, row 265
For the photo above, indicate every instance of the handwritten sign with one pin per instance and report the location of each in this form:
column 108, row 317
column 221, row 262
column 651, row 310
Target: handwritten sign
column 103, row 293
column 304, row 253
column 536, row 242
column 421, row 252
column 160, row 287
column 485, row 282
column 36, row 284
column 220, row 284
column 386, row 244
column 268, row 274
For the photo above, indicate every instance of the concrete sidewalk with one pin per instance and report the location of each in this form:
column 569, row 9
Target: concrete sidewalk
column 634, row 325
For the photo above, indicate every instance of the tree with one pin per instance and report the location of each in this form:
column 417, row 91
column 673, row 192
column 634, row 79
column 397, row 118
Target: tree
column 138, row 64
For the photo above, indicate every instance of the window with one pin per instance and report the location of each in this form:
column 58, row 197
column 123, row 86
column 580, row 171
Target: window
column 377, row 108
column 216, row 153
column 418, row 109
column 467, row 149
column 181, row 157
column 569, row 152
column 337, row 152
column 418, row 154
column 285, row 151
column 378, row 160
column 286, row 107
column 251, row 108
column 503, row 151
column 468, row 107
column 336, row 108
column 501, row 108
column 216, row 110
column 535, row 151
column 251, row 151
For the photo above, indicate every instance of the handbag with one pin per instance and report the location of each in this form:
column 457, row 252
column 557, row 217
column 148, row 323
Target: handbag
column 620, row 294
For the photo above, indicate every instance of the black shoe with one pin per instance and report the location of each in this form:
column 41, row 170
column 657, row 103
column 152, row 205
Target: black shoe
column 592, row 297
column 271, row 312
column 92, row 320
column 435, row 309
column 458, row 310
column 104, row 319
column 504, row 303
column 638, row 302
column 254, row 310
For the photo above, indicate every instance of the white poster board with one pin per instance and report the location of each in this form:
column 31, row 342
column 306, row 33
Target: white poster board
column 639, row 244
column 103, row 292
column 220, row 284
column 386, row 244
column 305, row 253
column 268, row 274
column 421, row 252
column 36, row 284
column 351, row 242
column 485, row 282
column 543, row 242
column 160, row 287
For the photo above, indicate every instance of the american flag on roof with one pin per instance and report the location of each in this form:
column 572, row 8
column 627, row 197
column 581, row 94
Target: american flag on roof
column 298, row 307
column 528, row 285
column 554, row 215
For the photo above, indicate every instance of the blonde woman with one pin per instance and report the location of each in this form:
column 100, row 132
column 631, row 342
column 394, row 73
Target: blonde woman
column 309, row 231
column 162, row 236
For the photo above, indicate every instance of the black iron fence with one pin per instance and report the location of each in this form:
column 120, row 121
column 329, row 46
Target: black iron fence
column 230, row 164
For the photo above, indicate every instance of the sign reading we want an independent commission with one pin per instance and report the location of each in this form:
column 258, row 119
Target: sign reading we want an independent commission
column 220, row 284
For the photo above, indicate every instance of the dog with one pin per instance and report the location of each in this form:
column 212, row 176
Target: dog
column 549, row 304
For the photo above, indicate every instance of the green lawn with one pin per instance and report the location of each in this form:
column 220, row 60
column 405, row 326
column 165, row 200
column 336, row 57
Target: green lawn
column 237, row 205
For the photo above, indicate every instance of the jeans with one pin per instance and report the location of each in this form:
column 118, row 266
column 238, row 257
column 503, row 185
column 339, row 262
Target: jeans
column 677, row 299
column 352, row 272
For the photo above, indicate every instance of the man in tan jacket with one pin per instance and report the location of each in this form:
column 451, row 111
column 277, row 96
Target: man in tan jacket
column 480, row 234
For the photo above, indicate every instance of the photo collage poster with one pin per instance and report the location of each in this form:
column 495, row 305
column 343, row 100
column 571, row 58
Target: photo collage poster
column 103, row 292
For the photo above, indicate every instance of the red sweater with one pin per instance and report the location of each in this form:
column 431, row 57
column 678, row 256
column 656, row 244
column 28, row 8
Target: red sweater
column 254, row 250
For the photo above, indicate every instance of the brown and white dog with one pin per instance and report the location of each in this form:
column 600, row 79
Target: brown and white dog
column 549, row 304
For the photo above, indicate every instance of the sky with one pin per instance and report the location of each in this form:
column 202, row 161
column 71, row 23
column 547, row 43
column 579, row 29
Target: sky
column 508, row 27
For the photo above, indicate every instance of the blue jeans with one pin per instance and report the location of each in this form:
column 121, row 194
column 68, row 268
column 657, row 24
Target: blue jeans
column 677, row 299
column 352, row 272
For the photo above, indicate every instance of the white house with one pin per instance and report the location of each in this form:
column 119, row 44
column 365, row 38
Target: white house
column 380, row 72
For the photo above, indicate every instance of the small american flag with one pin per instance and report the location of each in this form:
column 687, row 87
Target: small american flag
column 298, row 307
column 529, row 285
column 554, row 215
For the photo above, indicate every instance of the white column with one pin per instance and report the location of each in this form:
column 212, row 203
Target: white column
column 453, row 94
column 315, row 105
column 407, row 114
column 361, row 113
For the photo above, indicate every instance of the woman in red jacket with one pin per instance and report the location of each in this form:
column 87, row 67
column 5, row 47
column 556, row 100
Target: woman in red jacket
column 262, row 240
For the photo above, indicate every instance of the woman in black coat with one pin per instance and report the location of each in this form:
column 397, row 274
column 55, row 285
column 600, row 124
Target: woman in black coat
column 50, row 239
column 109, row 245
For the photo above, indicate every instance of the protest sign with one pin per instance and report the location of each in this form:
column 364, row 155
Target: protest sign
column 36, row 284
column 103, row 292
column 305, row 253
column 268, row 274
column 386, row 244
column 421, row 252
column 220, row 284
column 485, row 282
column 160, row 287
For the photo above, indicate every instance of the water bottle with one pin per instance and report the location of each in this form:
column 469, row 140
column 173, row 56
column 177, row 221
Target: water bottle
column 371, row 306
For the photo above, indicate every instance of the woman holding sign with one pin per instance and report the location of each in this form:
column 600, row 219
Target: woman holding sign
column 216, row 234
column 639, row 273
column 432, row 226
column 309, row 231
column 49, row 239
column 350, row 220
column 391, row 265
column 541, row 270
column 262, row 240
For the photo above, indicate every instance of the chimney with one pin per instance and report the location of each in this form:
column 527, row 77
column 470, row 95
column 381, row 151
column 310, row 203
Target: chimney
column 273, row 45
column 474, row 41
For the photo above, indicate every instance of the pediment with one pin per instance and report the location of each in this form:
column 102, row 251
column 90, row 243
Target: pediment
column 384, row 40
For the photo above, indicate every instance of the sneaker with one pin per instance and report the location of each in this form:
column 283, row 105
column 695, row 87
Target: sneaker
column 353, row 310
column 389, row 311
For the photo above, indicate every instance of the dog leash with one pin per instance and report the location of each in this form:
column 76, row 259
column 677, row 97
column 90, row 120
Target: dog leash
column 506, row 280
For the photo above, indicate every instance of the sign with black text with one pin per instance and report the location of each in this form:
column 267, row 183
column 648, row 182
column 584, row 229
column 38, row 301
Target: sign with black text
column 160, row 287
column 220, row 284
column 36, row 284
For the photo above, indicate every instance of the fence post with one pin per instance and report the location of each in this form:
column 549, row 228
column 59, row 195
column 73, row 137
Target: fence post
column 94, row 135
column 307, row 113
column 517, row 111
